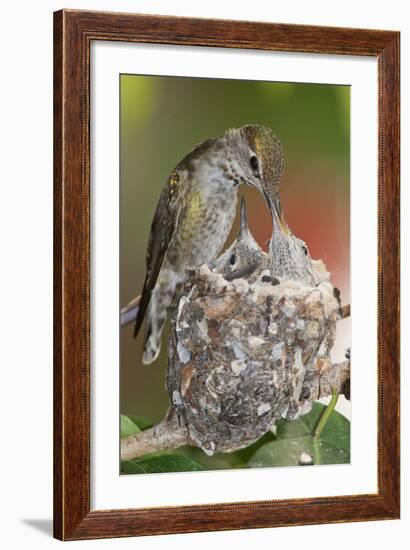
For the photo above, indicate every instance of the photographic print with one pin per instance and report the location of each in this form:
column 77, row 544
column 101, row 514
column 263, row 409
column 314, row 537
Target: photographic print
column 234, row 274
column 223, row 192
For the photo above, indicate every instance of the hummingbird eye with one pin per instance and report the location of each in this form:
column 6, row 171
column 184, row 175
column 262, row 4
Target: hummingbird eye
column 254, row 165
column 232, row 259
column 305, row 250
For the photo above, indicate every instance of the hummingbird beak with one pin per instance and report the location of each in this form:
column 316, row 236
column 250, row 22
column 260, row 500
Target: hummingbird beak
column 277, row 214
column 243, row 224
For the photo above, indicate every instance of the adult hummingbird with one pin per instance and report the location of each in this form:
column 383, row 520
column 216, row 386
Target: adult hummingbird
column 195, row 213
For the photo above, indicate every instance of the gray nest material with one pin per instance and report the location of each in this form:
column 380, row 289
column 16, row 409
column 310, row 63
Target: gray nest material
column 243, row 355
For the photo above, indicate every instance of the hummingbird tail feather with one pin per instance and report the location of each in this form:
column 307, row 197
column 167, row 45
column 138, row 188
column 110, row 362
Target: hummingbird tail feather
column 142, row 309
column 156, row 315
column 152, row 344
column 151, row 352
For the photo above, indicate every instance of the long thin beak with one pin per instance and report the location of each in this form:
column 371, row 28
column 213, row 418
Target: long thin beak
column 243, row 224
column 277, row 215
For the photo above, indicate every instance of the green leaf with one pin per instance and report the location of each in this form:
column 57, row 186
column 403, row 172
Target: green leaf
column 336, row 432
column 160, row 464
column 141, row 422
column 130, row 467
column 128, row 427
column 295, row 437
column 244, row 455
column 218, row 461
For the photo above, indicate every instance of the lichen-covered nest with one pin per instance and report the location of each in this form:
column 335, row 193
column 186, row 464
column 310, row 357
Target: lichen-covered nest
column 243, row 355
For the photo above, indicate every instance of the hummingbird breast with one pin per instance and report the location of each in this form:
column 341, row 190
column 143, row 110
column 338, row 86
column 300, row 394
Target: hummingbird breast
column 203, row 228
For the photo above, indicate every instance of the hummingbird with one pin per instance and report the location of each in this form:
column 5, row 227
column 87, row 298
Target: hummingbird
column 195, row 213
column 244, row 258
column 289, row 255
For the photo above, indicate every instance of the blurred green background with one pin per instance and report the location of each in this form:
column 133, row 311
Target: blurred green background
column 163, row 118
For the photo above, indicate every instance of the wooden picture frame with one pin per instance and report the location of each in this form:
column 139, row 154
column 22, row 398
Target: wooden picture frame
column 74, row 32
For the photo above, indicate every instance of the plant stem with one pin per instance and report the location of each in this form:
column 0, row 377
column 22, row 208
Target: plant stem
column 326, row 413
column 166, row 435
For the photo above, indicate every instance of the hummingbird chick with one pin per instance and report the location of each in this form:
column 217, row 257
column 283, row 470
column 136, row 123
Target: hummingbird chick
column 195, row 212
column 290, row 258
column 244, row 258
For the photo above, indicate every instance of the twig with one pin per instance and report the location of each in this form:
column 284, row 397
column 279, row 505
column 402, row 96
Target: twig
column 167, row 434
column 130, row 311
column 345, row 311
column 332, row 377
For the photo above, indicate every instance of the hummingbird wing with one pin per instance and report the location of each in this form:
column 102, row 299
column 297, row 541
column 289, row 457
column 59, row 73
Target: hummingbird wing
column 162, row 230
column 164, row 223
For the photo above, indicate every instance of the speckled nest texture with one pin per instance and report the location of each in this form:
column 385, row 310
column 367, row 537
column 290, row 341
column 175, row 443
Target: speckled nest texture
column 243, row 355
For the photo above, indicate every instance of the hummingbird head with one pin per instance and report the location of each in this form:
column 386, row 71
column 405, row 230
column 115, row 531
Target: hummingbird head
column 290, row 258
column 260, row 155
column 243, row 252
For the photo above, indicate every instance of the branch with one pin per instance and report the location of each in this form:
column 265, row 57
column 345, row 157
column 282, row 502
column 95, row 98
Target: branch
column 130, row 311
column 167, row 434
column 345, row 311
column 334, row 376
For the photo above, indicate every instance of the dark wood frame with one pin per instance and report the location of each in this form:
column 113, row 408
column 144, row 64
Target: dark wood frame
column 73, row 33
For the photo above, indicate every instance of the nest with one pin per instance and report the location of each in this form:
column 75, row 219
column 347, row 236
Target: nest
column 245, row 353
